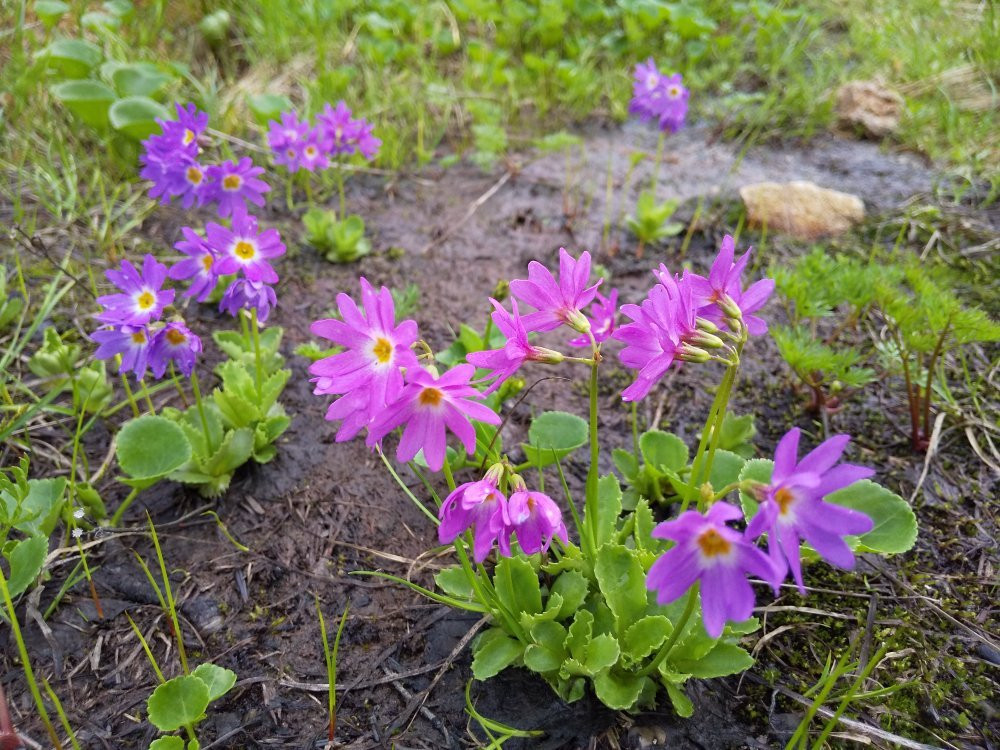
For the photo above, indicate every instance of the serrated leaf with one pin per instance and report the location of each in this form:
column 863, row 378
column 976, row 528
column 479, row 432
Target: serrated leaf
column 663, row 450
column 177, row 702
column 151, row 446
column 644, row 636
column 218, row 680
column 494, row 652
column 626, row 463
column 895, row 528
column 643, row 526
column 516, row 584
column 617, row 690
column 26, row 558
column 682, row 704
column 601, row 653
column 572, row 586
column 608, row 507
column 726, row 467
column 552, row 436
column 578, row 635
column 622, row 580
column 454, row 582
column 724, row 659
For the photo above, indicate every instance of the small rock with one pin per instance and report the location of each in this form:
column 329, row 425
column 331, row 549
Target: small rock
column 869, row 106
column 801, row 209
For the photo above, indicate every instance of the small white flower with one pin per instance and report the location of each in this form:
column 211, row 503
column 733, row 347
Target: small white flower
column 78, row 514
column 77, row 533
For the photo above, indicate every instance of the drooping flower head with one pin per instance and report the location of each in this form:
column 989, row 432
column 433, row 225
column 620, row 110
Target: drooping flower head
column 131, row 342
column 234, row 184
column 244, row 294
column 285, row 139
column 368, row 373
column 557, row 302
column 478, row 505
column 709, row 551
column 505, row 361
column 141, row 299
column 721, row 295
column 244, row 248
column 793, row 509
column 199, row 266
column 428, row 406
column 535, row 519
column 603, row 315
column 175, row 343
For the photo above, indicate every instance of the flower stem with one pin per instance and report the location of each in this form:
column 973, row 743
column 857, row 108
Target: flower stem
column 635, row 429
column 659, row 160
column 117, row 517
column 590, row 499
column 130, row 397
column 196, row 390
column 255, row 326
column 340, row 192
column 667, row 647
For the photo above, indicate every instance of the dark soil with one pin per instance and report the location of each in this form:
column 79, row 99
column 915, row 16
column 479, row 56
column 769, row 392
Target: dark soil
column 322, row 510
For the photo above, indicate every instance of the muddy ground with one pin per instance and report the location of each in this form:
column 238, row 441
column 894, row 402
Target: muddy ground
column 321, row 510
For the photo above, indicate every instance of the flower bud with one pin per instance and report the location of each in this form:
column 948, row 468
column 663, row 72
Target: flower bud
column 706, row 340
column 707, row 494
column 578, row 321
column 688, row 353
column 706, row 325
column 501, row 291
column 729, row 307
column 545, row 356
column 494, row 474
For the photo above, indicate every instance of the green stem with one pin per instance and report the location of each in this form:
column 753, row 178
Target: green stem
column 447, row 473
column 171, row 604
column 590, row 498
column 117, row 517
column 177, row 384
column 659, row 160
column 255, row 327
column 130, row 397
column 196, row 390
column 29, row 673
column 340, row 193
column 635, row 429
column 145, row 395
column 678, row 630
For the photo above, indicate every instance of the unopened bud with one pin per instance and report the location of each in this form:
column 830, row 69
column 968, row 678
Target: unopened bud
column 706, row 340
column 706, row 325
column 688, row 353
column 494, row 474
column 545, row 356
column 517, row 483
column 707, row 494
column 577, row 320
column 501, row 291
column 729, row 307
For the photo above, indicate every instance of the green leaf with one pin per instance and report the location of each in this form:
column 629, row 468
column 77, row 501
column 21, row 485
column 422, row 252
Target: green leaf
column 50, row 11
column 644, row 525
column 724, row 659
column 177, row 702
column 88, row 100
column 74, row 58
column 609, row 508
column 644, row 636
column 455, row 582
column 136, row 116
column 218, row 680
column 41, row 506
column 98, row 19
column 682, row 704
column 759, row 470
column 663, row 450
column 623, row 583
column 494, row 652
column 150, row 447
column 547, row 653
column 726, row 468
column 626, row 463
column 170, row 742
column 26, row 558
column 136, row 79
column 895, row 528
column 517, row 587
column 617, row 690
column 572, row 586
column 268, row 106
column 553, row 435
column 601, row 653
column 579, row 632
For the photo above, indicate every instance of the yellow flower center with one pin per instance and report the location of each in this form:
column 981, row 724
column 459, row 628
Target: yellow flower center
column 674, row 92
column 430, row 397
column 175, row 337
column 188, row 136
column 382, row 350
column 232, row 182
column 713, row 544
column 245, row 250
column 145, row 300
column 194, row 175
column 290, row 153
column 784, row 498
column 139, row 337
column 206, row 262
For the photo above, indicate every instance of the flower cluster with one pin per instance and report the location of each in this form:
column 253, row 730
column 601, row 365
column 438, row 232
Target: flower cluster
column 134, row 330
column 170, row 160
column 298, row 145
column 707, row 550
column 381, row 384
column 659, row 97
column 530, row 516
column 680, row 317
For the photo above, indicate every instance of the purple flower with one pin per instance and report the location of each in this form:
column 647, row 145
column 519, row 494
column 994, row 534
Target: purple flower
column 603, row 312
column 368, row 145
column 536, row 519
column 169, row 158
column 427, row 407
column 792, row 508
column 174, row 343
column 368, row 373
column 141, row 299
column 244, row 248
column 722, row 295
column 178, row 138
column 200, row 265
column 505, row 361
column 314, row 151
column 663, row 331
column 659, row 97
column 244, row 294
column 131, row 342
column 475, row 504
column 234, row 184
column 707, row 550
column 673, row 106
column 339, row 127
column 557, row 303
column 285, row 139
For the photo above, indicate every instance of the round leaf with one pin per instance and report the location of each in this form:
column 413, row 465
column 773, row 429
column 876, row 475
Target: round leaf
column 268, row 106
column 169, row 742
column 554, row 435
column 88, row 100
column 663, row 450
column 139, row 79
column 177, row 702
column 136, row 116
column 218, row 680
column 895, row 528
column 74, row 58
column 150, row 447
column 50, row 11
